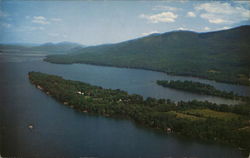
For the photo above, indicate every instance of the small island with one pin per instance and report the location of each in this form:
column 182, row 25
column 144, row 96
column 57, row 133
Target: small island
column 200, row 88
column 201, row 120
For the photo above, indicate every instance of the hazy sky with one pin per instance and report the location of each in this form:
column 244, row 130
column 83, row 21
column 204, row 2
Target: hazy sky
column 98, row 22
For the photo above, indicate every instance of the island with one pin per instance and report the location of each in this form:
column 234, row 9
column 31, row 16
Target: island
column 200, row 88
column 194, row 119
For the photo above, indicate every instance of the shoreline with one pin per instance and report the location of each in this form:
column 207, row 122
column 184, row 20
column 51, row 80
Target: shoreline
column 148, row 69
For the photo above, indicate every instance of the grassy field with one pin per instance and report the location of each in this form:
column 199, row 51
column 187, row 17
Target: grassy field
column 184, row 116
column 207, row 113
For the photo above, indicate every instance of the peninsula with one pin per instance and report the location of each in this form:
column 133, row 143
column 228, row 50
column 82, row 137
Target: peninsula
column 200, row 88
column 194, row 119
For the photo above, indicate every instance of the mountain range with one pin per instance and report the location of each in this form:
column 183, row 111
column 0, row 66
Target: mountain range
column 46, row 48
column 221, row 55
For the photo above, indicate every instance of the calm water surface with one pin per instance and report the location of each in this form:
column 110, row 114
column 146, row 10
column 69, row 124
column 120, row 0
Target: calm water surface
column 62, row 132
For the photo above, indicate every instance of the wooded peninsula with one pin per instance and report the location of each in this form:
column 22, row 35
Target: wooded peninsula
column 200, row 88
column 201, row 120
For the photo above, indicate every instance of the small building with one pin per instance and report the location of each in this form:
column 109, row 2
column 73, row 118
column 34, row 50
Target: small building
column 169, row 130
column 79, row 92
column 39, row 87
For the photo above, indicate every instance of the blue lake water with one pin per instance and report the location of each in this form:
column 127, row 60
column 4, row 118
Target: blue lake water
column 62, row 132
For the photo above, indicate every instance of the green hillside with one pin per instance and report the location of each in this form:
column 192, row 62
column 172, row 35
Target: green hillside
column 221, row 55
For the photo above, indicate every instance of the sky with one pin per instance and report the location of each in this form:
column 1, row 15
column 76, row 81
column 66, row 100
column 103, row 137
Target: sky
column 101, row 22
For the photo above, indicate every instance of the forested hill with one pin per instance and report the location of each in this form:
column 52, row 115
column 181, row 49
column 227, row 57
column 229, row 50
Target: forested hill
column 221, row 55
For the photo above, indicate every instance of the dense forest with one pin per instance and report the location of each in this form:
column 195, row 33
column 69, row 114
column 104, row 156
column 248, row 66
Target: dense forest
column 222, row 55
column 195, row 119
column 200, row 88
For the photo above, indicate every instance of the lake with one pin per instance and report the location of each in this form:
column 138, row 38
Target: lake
column 60, row 131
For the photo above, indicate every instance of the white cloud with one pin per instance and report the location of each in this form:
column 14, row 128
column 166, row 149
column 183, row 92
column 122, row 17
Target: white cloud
column 206, row 28
column 218, row 21
column 40, row 20
column 165, row 8
column 214, row 19
column 213, row 7
column 161, row 17
column 224, row 28
column 185, row 29
column 223, row 13
column 191, row 14
column 56, row 19
column 221, row 28
column 182, row 28
column 149, row 33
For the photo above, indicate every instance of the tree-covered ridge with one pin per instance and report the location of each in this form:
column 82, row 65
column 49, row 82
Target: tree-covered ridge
column 222, row 55
column 200, row 88
column 202, row 120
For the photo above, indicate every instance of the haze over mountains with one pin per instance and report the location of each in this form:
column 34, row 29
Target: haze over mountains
column 46, row 48
column 222, row 55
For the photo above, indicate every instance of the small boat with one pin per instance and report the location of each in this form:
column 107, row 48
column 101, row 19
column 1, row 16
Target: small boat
column 30, row 126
